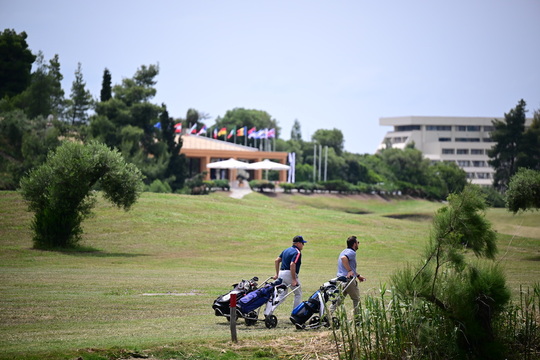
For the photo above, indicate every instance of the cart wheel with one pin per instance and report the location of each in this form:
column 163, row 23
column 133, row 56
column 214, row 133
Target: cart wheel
column 314, row 322
column 325, row 322
column 270, row 321
column 335, row 322
column 251, row 318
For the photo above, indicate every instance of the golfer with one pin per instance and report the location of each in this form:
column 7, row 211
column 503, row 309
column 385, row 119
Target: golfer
column 288, row 267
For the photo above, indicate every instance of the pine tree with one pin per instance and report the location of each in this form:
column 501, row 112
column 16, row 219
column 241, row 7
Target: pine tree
column 509, row 138
column 106, row 87
column 81, row 99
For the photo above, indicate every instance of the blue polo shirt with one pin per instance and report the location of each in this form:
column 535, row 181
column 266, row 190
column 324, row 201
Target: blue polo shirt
column 291, row 255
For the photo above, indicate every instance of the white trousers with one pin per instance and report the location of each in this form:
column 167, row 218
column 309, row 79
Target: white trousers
column 286, row 276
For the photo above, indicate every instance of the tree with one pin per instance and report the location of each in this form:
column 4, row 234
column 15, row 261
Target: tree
column 240, row 117
column 60, row 195
column 81, row 99
column 44, row 96
column 128, row 121
column 24, row 144
column 176, row 166
column 468, row 295
column 531, row 158
column 452, row 175
column 106, row 86
column 509, row 145
column 523, row 191
column 331, row 138
column 296, row 131
column 15, row 63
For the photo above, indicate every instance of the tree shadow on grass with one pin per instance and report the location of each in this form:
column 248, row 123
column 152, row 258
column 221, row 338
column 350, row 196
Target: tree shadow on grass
column 89, row 251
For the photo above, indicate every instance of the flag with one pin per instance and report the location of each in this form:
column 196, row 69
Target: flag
column 231, row 133
column 202, row 131
column 271, row 134
column 242, row 131
column 178, row 128
column 193, row 129
column 262, row 134
column 158, row 125
column 215, row 133
column 222, row 131
column 252, row 133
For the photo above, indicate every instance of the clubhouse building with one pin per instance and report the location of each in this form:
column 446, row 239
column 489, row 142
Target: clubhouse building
column 201, row 151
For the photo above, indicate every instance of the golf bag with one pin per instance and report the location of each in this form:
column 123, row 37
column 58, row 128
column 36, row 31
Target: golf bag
column 221, row 305
column 255, row 299
column 314, row 308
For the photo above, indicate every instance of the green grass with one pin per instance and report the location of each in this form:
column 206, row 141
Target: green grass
column 60, row 304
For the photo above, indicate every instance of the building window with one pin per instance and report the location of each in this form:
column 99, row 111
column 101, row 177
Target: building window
column 477, row 151
column 448, row 151
column 463, row 163
column 489, row 128
column 467, row 139
column 483, row 175
column 406, row 127
column 438, row 128
column 461, row 128
column 470, row 175
column 479, row 163
column 473, row 128
column 443, row 139
column 462, row 151
column 487, row 139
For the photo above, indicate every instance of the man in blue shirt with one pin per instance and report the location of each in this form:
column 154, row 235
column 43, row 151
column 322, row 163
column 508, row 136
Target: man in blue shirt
column 288, row 266
column 347, row 267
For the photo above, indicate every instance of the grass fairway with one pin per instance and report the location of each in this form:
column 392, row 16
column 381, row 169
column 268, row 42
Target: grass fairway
column 148, row 277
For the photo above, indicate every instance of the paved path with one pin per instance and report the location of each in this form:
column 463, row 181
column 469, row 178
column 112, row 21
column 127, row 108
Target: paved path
column 239, row 192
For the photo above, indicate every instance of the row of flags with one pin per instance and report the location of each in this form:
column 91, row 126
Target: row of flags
column 252, row 133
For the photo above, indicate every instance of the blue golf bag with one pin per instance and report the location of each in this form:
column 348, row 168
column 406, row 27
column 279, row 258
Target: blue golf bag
column 221, row 305
column 255, row 299
column 314, row 309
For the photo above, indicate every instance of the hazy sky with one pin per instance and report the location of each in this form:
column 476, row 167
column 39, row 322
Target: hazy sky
column 329, row 64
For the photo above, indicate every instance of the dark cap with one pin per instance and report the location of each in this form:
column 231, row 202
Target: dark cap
column 298, row 239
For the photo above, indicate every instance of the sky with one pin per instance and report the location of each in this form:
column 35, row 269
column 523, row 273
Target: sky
column 340, row 64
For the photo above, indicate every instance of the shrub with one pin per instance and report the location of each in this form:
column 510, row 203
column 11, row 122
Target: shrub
column 59, row 192
column 287, row 187
column 260, row 185
column 221, row 183
column 157, row 186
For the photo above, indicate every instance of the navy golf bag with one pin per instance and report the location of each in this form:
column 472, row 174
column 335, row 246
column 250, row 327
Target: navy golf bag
column 314, row 308
column 221, row 305
column 255, row 299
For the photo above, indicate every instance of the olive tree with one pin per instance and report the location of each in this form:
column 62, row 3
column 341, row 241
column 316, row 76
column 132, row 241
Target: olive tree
column 60, row 191
column 523, row 191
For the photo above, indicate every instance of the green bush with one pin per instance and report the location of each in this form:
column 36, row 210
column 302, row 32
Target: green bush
column 287, row 187
column 157, row 186
column 221, row 183
column 260, row 185
column 59, row 192
column 493, row 197
column 340, row 186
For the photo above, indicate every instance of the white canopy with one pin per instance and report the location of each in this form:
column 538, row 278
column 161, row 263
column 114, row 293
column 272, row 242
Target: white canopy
column 228, row 164
column 267, row 165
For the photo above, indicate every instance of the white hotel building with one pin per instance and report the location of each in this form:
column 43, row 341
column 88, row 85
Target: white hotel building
column 463, row 140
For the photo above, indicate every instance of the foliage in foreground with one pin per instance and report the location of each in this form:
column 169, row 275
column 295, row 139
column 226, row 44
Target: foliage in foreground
column 448, row 307
column 395, row 327
column 60, row 195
